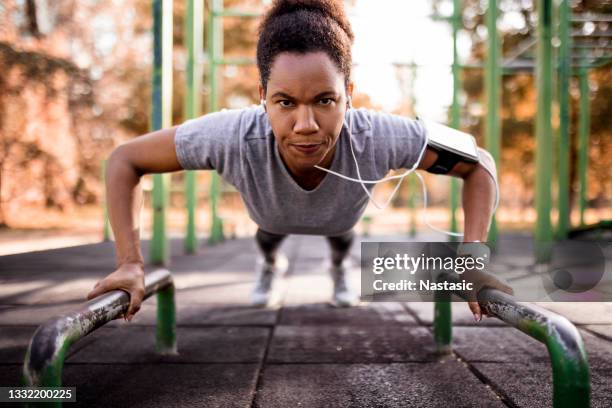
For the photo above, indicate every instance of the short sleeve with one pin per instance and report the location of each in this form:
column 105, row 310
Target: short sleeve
column 210, row 142
column 399, row 140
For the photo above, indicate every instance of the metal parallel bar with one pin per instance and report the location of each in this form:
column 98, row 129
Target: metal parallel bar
column 523, row 47
column 603, row 62
column 236, row 13
column 595, row 18
column 194, row 34
column 215, row 49
column 591, row 58
column 235, row 61
column 493, row 102
column 570, row 367
column 161, row 117
column 594, row 34
column 50, row 343
column 591, row 46
column 583, row 140
column 564, row 74
column 544, row 74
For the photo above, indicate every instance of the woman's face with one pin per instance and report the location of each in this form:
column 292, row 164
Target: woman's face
column 306, row 100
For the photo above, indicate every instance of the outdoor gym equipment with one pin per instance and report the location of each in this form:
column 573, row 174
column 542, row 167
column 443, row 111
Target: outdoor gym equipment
column 570, row 367
column 49, row 346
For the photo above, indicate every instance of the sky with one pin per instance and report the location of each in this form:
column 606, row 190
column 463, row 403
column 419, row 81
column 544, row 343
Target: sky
column 402, row 31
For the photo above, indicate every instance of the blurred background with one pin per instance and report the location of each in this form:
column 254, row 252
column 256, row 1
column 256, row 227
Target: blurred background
column 75, row 82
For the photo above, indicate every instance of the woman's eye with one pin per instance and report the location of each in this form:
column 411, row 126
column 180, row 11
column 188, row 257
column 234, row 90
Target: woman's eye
column 285, row 103
column 326, row 101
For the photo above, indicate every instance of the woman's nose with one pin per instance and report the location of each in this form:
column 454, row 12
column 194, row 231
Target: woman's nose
column 305, row 122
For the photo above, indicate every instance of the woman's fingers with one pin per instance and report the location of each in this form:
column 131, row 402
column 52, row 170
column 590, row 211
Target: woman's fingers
column 136, row 296
column 476, row 311
column 100, row 288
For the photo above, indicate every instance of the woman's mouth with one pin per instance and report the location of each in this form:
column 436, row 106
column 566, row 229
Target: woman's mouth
column 307, row 148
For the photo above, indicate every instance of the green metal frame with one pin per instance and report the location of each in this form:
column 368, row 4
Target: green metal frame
column 544, row 74
column 563, row 74
column 161, row 117
column 49, row 346
column 216, row 59
column 583, row 140
column 194, row 35
column 455, row 113
column 215, row 50
column 493, row 102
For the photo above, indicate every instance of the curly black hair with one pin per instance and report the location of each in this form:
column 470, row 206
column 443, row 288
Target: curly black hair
column 303, row 26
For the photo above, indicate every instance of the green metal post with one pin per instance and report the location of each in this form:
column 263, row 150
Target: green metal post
column 443, row 323
column 161, row 117
column 455, row 113
column 492, row 91
column 564, row 122
column 583, row 139
column 215, row 49
column 166, row 321
column 544, row 73
column 443, row 320
column 106, row 227
column 192, row 109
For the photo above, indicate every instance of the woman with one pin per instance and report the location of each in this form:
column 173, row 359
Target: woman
column 269, row 153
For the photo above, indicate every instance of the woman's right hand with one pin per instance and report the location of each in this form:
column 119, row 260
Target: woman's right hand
column 129, row 277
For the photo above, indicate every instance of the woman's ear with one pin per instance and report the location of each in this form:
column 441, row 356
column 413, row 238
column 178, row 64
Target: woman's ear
column 349, row 94
column 262, row 97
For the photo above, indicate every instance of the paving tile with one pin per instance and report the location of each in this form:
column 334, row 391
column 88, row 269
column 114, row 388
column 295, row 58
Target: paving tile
column 14, row 343
column 351, row 344
column 205, row 315
column 509, row 345
column 323, row 314
column 437, row 384
column 603, row 330
column 195, row 345
column 33, row 315
column 167, row 385
column 530, row 385
column 582, row 312
column 11, row 375
column 497, row 344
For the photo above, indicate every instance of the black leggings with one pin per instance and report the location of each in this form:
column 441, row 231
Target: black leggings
column 268, row 243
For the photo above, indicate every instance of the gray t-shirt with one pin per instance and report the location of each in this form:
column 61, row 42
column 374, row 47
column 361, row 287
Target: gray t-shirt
column 240, row 145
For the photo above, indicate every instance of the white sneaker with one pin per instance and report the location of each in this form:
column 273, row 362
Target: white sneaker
column 261, row 295
column 343, row 296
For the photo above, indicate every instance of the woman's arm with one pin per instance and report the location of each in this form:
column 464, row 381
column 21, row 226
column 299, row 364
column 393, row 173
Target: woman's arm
column 478, row 195
column 151, row 153
column 478, row 199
